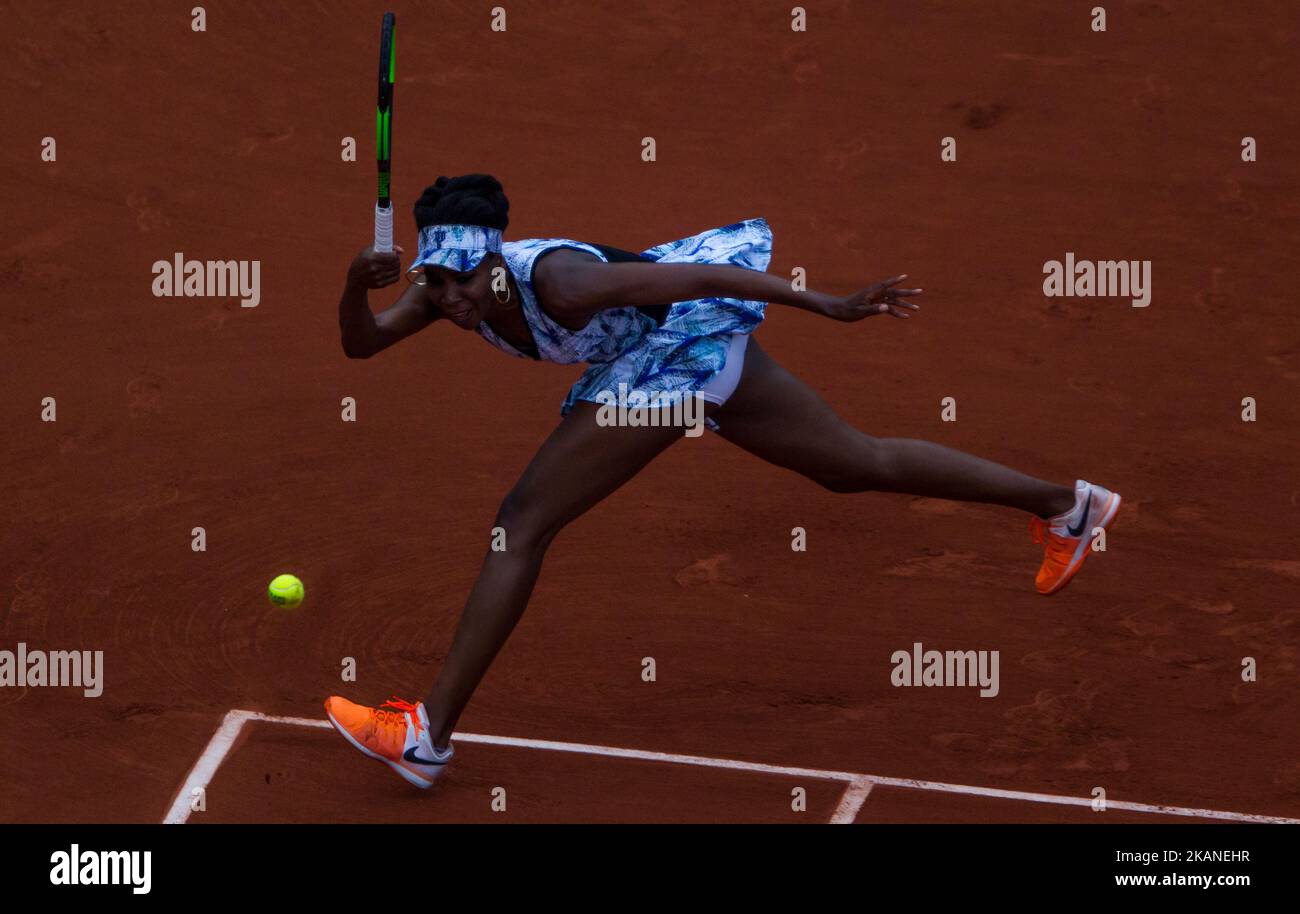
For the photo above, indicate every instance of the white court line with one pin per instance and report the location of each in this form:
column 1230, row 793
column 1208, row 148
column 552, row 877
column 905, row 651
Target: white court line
column 205, row 769
column 222, row 741
column 851, row 802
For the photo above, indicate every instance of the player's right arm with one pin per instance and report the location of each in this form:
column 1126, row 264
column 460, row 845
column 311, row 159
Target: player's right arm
column 365, row 333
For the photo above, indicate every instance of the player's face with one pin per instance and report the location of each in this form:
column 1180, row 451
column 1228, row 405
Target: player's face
column 465, row 299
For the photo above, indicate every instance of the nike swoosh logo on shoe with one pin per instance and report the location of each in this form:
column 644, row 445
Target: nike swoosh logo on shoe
column 410, row 756
column 1078, row 531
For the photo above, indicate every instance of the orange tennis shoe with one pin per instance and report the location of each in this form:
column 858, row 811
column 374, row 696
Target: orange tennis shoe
column 398, row 737
column 1066, row 538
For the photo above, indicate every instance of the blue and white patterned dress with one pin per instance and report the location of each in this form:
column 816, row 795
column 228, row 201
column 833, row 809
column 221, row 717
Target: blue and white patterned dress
column 624, row 345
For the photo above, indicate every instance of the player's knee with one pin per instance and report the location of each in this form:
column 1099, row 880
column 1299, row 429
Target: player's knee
column 865, row 468
column 527, row 520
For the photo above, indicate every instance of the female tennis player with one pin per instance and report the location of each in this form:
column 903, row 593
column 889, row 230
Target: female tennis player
column 674, row 321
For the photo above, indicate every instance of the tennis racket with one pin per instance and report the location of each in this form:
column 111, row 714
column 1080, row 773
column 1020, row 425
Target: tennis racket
column 384, row 135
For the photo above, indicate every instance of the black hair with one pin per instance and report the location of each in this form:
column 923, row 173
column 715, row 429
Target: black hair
column 463, row 200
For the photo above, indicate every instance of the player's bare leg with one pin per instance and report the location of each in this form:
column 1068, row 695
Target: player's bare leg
column 777, row 417
column 575, row 468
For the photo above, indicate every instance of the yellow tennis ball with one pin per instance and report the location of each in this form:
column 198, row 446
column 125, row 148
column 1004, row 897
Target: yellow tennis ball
column 286, row 591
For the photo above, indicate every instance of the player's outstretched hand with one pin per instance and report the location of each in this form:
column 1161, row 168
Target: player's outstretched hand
column 882, row 298
column 373, row 269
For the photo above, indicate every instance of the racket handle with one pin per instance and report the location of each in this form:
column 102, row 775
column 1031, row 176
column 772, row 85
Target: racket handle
column 383, row 228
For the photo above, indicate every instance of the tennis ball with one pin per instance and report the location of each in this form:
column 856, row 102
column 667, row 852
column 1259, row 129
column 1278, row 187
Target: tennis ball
column 286, row 591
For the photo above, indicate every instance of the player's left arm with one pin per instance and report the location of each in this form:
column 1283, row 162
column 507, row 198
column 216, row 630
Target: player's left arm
column 575, row 284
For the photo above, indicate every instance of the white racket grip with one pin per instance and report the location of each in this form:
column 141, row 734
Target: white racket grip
column 383, row 228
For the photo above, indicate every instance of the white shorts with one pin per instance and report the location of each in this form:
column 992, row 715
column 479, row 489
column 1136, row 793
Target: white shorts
column 723, row 384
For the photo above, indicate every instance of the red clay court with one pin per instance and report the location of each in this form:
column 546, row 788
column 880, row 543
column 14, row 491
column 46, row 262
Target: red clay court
column 773, row 666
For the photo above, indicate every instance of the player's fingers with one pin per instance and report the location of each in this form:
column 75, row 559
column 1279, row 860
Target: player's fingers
column 880, row 286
